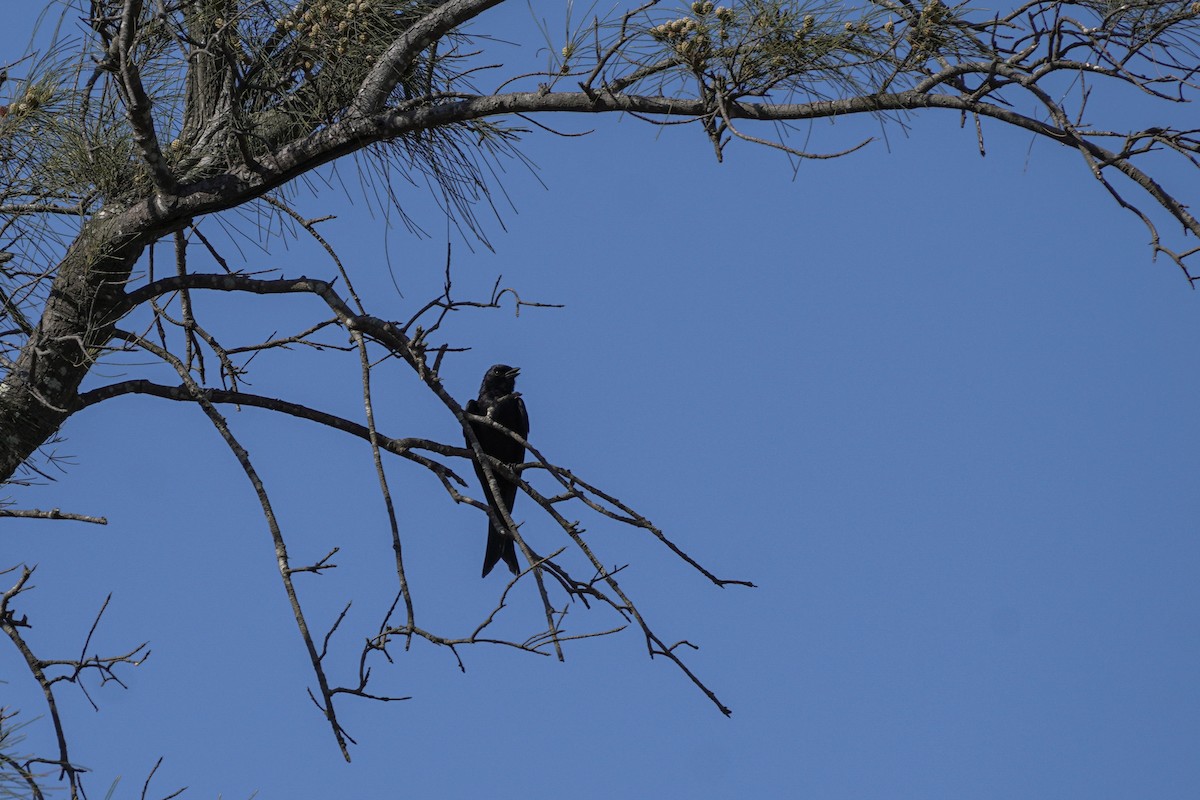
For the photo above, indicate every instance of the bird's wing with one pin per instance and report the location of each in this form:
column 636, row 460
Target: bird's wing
column 483, row 433
column 510, row 412
column 521, row 421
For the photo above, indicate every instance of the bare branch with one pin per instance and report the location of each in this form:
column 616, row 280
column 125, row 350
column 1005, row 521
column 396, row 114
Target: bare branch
column 69, row 670
column 281, row 553
column 54, row 513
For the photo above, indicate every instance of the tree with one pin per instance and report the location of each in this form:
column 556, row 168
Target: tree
column 201, row 108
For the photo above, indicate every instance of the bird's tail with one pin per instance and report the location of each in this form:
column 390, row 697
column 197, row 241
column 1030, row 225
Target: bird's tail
column 500, row 546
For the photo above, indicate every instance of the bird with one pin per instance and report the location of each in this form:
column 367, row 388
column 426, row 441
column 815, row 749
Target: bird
column 499, row 403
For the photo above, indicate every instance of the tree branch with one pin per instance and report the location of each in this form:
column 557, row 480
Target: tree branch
column 398, row 58
column 54, row 513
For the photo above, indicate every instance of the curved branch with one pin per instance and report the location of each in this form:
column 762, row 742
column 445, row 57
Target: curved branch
column 137, row 102
column 392, row 65
column 281, row 554
column 400, row 447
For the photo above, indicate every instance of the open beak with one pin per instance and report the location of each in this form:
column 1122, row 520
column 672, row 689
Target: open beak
column 512, row 373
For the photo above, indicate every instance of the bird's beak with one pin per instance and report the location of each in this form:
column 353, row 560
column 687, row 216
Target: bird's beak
column 512, row 373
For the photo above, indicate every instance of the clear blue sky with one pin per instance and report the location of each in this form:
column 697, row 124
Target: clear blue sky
column 942, row 409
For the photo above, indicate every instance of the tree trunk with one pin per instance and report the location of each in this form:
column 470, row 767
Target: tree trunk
column 39, row 392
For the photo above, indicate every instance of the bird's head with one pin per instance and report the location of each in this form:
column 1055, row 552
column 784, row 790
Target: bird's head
column 500, row 380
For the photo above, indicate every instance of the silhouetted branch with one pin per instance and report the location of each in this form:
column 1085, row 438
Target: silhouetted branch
column 47, row 672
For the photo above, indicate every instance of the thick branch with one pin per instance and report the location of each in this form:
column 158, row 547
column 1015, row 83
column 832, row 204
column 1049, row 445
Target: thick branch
column 393, row 64
column 77, row 320
column 138, row 104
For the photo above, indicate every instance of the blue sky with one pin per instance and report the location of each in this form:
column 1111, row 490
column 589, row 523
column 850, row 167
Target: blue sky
column 940, row 408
